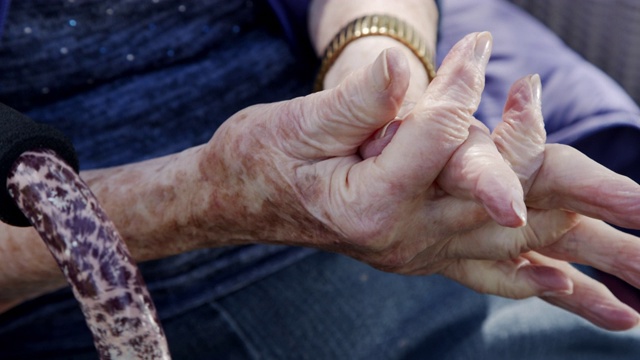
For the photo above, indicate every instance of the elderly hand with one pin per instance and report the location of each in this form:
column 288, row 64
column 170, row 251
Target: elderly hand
column 293, row 173
column 565, row 193
column 435, row 196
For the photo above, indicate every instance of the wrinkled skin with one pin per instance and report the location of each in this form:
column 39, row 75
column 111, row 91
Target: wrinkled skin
column 434, row 193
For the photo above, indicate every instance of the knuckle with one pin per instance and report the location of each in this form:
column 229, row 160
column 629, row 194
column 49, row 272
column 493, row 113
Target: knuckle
column 448, row 120
column 508, row 244
column 392, row 187
column 561, row 151
column 517, row 248
column 462, row 85
column 559, row 224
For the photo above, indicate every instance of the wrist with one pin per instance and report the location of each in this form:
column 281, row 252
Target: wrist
column 365, row 32
column 243, row 193
column 327, row 17
column 27, row 269
column 364, row 51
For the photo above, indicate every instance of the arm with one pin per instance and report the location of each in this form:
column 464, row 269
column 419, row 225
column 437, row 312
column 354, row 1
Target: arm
column 289, row 173
column 146, row 200
column 574, row 291
column 326, row 17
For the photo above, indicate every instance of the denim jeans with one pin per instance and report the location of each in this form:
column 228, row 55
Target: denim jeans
column 332, row 307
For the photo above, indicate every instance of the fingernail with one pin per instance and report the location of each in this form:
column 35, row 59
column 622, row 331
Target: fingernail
column 536, row 88
column 381, row 77
column 519, row 207
column 389, row 129
column 483, row 46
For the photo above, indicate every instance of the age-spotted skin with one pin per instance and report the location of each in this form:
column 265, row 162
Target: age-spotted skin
column 92, row 256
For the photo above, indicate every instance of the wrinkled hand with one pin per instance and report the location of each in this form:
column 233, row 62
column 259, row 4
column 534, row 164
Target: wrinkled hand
column 565, row 193
column 437, row 197
column 559, row 177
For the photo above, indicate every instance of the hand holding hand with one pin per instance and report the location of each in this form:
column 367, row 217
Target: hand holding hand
column 293, row 173
column 435, row 196
column 565, row 193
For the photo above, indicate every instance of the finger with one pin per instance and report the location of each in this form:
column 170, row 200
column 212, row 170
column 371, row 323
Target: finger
column 515, row 279
column 494, row 242
column 478, row 171
column 570, row 180
column 379, row 140
column 556, row 282
column 520, row 137
column 439, row 123
column 374, row 145
column 335, row 122
column 594, row 243
column 590, row 299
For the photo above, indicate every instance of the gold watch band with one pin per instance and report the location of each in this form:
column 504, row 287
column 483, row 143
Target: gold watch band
column 380, row 25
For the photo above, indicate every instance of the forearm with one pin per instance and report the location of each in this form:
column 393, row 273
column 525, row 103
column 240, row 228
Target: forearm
column 178, row 203
column 152, row 205
column 27, row 269
column 327, row 17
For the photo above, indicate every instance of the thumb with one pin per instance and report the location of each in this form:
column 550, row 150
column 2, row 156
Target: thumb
column 336, row 122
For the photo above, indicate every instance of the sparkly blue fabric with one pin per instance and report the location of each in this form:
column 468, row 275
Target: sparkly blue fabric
column 4, row 7
column 128, row 81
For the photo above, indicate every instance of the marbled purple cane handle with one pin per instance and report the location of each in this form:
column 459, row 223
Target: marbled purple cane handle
column 91, row 254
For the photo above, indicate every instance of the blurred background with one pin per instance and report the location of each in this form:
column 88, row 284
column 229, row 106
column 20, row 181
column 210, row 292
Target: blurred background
column 605, row 32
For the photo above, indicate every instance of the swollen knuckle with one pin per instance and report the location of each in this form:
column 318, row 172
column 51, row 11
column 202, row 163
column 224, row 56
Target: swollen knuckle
column 562, row 223
column 463, row 85
column 516, row 248
column 448, row 120
column 558, row 225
